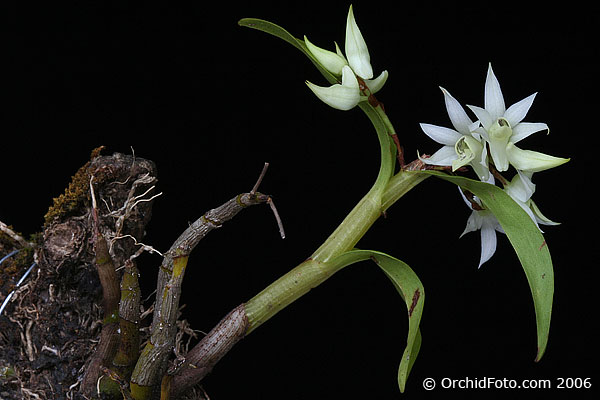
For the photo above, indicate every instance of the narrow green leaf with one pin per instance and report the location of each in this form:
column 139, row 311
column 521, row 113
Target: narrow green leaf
column 276, row 30
column 410, row 288
column 528, row 243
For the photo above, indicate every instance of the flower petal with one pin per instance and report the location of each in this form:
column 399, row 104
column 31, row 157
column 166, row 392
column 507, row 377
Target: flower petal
column 474, row 221
column 342, row 97
column 376, row 84
column 499, row 135
column 459, row 118
column 483, row 116
column 493, row 99
column 468, row 203
column 539, row 217
column 520, row 187
column 481, row 166
column 339, row 52
column 440, row 134
column 488, row 239
column 443, row 157
column 356, row 49
column 328, row 59
column 515, row 113
column 531, row 161
column 524, row 129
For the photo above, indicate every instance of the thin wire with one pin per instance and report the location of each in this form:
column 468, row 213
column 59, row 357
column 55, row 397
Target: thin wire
column 12, row 253
column 10, row 295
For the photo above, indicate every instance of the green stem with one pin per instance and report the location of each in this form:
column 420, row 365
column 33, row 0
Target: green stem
column 368, row 209
column 328, row 258
column 399, row 185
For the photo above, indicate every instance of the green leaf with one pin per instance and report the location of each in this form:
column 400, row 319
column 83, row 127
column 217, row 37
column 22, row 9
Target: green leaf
column 528, row 243
column 276, row 30
column 410, row 288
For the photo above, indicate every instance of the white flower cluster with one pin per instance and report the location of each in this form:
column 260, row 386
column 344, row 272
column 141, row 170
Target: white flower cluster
column 490, row 142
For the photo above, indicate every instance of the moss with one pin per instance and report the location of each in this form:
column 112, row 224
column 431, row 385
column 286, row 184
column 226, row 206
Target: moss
column 76, row 194
column 13, row 267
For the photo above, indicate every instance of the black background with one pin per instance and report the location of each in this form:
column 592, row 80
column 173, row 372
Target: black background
column 183, row 85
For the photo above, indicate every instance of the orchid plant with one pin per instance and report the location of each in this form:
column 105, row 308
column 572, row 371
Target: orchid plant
column 479, row 155
column 485, row 144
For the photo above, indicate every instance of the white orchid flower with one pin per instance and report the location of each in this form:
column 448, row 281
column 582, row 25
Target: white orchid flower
column 503, row 127
column 484, row 221
column 520, row 189
column 346, row 95
column 461, row 145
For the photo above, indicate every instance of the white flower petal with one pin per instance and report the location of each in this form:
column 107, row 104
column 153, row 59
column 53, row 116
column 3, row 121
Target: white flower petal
column 356, row 49
column 473, row 222
column 481, row 168
column 499, row 135
column 467, row 202
column 342, row 97
column 493, row 99
column 523, row 205
column 479, row 133
column 444, row 157
column 459, row 118
column 348, row 78
column 515, row 113
column 376, row 84
column 339, row 52
column 531, row 161
column 328, row 59
column 488, row 239
column 520, row 187
column 440, row 134
column 483, row 116
column 539, row 217
column 524, row 129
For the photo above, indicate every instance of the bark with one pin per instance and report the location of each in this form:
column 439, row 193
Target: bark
column 203, row 357
column 152, row 364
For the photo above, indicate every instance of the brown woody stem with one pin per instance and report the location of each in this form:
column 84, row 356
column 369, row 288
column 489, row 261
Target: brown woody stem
column 203, row 357
column 129, row 341
column 152, row 364
column 109, row 339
